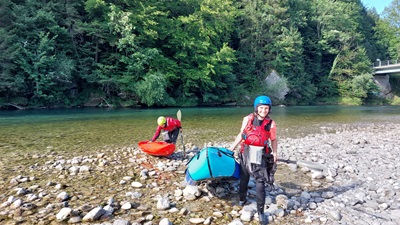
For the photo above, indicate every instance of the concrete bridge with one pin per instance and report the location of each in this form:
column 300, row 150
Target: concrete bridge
column 386, row 67
column 382, row 69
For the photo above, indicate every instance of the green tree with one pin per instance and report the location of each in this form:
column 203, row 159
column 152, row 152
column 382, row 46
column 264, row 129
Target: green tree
column 196, row 52
column 39, row 53
column 200, row 49
column 46, row 72
column 388, row 30
column 269, row 36
column 152, row 90
column 10, row 86
column 138, row 59
column 340, row 38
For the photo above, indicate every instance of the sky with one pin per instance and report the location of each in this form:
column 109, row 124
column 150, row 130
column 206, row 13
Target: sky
column 379, row 5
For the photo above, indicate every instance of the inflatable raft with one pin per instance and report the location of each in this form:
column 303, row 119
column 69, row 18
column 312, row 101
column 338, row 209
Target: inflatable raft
column 211, row 163
column 157, row 148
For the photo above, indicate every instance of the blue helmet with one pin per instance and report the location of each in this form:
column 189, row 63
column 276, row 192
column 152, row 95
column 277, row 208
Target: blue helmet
column 262, row 100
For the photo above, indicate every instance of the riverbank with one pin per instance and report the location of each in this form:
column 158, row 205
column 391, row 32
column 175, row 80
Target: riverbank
column 342, row 175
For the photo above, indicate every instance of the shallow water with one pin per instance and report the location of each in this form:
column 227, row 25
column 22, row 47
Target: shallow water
column 92, row 129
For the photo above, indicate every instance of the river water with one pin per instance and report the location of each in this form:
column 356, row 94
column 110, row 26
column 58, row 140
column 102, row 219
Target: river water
column 80, row 130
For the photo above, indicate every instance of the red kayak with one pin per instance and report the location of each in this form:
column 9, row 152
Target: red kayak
column 157, row 148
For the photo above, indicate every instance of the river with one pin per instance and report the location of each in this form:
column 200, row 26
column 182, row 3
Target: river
column 92, row 129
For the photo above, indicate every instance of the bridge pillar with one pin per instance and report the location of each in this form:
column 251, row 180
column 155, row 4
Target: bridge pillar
column 383, row 82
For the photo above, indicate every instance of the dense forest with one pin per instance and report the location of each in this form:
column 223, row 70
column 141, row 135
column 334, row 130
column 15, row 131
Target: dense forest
column 161, row 53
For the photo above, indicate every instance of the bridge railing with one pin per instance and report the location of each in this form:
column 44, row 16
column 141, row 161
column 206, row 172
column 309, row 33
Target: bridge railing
column 380, row 63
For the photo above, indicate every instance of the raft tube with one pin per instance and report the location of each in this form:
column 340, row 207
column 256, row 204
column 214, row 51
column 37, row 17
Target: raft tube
column 211, row 163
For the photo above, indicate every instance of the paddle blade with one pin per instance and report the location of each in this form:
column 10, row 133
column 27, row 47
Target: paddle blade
column 179, row 115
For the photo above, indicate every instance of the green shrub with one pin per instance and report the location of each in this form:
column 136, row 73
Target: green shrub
column 395, row 100
column 350, row 101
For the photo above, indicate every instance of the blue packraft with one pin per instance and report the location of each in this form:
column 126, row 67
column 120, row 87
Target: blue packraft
column 210, row 163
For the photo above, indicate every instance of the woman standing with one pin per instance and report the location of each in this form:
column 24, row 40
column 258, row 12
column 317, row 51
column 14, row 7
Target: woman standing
column 258, row 152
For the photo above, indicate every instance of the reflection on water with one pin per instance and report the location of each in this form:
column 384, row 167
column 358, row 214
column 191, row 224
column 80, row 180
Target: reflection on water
column 91, row 129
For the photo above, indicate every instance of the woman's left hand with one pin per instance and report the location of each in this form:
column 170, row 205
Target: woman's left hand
column 275, row 158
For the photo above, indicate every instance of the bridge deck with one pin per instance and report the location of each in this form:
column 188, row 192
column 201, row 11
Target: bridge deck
column 386, row 67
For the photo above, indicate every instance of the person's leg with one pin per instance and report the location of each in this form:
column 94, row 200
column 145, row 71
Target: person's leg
column 260, row 193
column 243, row 183
column 260, row 198
column 261, row 174
column 174, row 135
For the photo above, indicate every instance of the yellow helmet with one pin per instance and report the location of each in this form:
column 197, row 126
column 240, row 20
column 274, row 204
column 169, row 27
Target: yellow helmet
column 161, row 121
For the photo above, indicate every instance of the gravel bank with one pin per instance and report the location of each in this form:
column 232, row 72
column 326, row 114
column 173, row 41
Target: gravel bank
column 343, row 175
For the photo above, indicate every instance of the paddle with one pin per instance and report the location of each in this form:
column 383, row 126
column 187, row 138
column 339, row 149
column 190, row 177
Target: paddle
column 179, row 116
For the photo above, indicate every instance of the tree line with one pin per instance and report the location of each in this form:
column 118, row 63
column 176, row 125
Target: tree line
column 157, row 53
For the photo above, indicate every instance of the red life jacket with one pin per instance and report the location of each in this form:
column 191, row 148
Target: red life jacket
column 257, row 135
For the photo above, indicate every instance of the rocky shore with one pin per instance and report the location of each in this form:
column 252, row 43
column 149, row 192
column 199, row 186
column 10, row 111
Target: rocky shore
column 342, row 175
